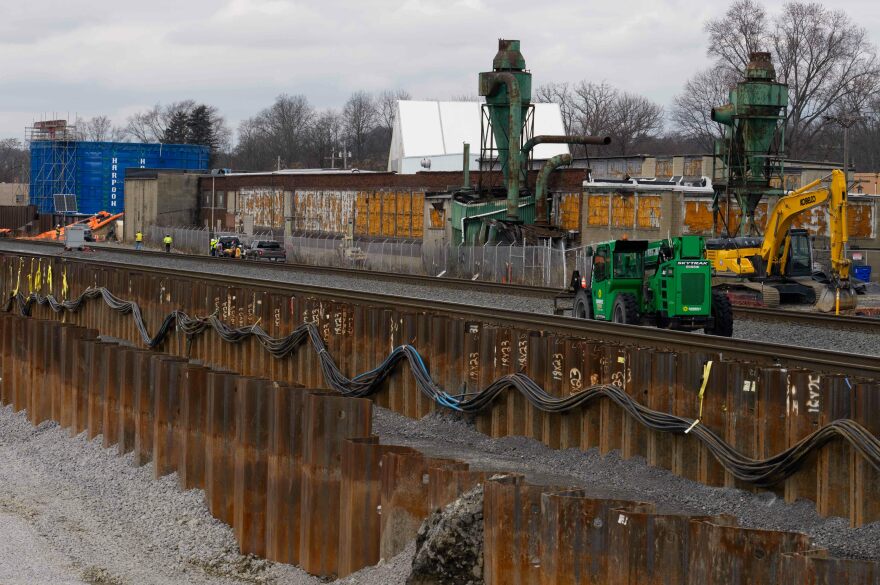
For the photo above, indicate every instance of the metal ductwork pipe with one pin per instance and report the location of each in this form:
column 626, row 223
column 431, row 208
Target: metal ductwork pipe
column 492, row 81
column 466, row 167
column 542, row 210
column 557, row 139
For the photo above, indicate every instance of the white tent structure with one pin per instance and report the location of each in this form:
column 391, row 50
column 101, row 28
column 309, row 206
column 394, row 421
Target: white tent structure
column 430, row 135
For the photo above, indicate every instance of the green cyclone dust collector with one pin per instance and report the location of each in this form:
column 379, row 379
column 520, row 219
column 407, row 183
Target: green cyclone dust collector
column 508, row 92
column 749, row 157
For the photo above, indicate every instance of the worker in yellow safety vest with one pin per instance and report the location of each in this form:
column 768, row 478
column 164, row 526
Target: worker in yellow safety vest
column 213, row 246
column 167, row 241
column 138, row 240
column 57, row 231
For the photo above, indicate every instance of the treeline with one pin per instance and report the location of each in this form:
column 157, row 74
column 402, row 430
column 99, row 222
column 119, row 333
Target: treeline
column 827, row 60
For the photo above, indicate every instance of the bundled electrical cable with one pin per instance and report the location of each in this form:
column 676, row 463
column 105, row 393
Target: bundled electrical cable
column 761, row 472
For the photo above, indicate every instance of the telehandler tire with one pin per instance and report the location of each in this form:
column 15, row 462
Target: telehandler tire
column 626, row 310
column 582, row 308
column 722, row 315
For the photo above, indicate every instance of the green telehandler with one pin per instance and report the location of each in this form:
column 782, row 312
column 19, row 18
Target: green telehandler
column 667, row 283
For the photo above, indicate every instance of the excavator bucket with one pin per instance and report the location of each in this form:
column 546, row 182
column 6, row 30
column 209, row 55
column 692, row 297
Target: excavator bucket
column 831, row 299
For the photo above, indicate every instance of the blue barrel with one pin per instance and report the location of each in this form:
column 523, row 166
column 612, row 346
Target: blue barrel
column 863, row 273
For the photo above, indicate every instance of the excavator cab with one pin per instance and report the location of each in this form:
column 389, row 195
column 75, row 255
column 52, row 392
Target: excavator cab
column 800, row 254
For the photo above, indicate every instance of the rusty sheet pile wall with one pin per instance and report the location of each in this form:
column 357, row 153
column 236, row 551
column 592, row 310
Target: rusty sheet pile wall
column 759, row 409
column 301, row 480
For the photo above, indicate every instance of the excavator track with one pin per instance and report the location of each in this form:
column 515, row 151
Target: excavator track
column 751, row 294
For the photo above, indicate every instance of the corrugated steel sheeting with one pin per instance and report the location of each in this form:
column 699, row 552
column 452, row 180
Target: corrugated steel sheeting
column 323, row 211
column 265, row 204
column 390, row 214
column 15, row 216
column 624, row 211
column 643, row 211
column 697, row 214
column 567, row 208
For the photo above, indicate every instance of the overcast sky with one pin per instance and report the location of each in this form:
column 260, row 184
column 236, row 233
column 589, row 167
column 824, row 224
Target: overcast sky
column 114, row 58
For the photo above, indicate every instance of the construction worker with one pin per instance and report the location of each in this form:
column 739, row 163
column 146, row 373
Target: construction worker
column 57, row 231
column 214, row 246
column 138, row 240
column 238, row 251
column 167, row 241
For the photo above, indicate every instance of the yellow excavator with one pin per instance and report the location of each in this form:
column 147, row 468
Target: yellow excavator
column 778, row 267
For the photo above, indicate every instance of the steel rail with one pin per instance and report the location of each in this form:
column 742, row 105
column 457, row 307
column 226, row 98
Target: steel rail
column 826, row 320
column 650, row 338
column 846, row 322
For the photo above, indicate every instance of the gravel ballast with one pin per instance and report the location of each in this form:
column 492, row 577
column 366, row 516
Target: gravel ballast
column 72, row 512
column 611, row 477
column 786, row 334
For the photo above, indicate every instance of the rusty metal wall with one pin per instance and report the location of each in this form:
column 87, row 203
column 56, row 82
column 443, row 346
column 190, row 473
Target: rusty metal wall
column 697, row 218
column 13, row 217
column 642, row 215
column 301, row 479
column 265, row 204
column 756, row 407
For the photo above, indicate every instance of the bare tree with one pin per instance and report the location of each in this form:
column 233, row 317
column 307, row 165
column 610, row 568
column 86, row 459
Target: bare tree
column 827, row 61
column 150, row 125
column 280, row 132
column 692, row 108
column 560, row 93
column 172, row 123
column 387, row 105
column 594, row 105
column 326, row 139
column 140, row 125
column 740, row 32
column 100, row 129
column 14, row 160
column 634, row 118
column 359, row 116
column 467, row 97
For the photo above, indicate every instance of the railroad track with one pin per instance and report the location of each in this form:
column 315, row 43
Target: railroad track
column 652, row 339
column 846, row 322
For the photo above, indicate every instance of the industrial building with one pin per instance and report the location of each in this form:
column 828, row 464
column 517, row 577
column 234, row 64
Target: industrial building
column 69, row 175
column 429, row 135
column 390, row 205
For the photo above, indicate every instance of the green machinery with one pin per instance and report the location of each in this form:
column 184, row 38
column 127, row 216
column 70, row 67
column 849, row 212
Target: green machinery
column 748, row 159
column 667, row 283
column 507, row 136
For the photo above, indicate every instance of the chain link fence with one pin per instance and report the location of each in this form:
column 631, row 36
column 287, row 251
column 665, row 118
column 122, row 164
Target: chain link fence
column 192, row 240
column 544, row 265
column 402, row 256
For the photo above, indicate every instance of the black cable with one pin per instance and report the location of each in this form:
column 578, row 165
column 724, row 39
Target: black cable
column 761, row 472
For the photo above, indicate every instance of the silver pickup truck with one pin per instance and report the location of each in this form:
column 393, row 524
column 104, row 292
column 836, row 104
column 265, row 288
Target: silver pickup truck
column 265, row 250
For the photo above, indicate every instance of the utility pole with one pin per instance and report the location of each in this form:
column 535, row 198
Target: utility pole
column 845, row 121
column 213, row 204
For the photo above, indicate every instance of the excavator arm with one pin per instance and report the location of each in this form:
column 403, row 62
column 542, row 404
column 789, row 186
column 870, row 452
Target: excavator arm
column 774, row 250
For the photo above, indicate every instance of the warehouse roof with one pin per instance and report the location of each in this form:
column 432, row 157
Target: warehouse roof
column 436, row 131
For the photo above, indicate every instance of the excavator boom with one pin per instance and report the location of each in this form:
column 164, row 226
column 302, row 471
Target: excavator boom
column 774, row 250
